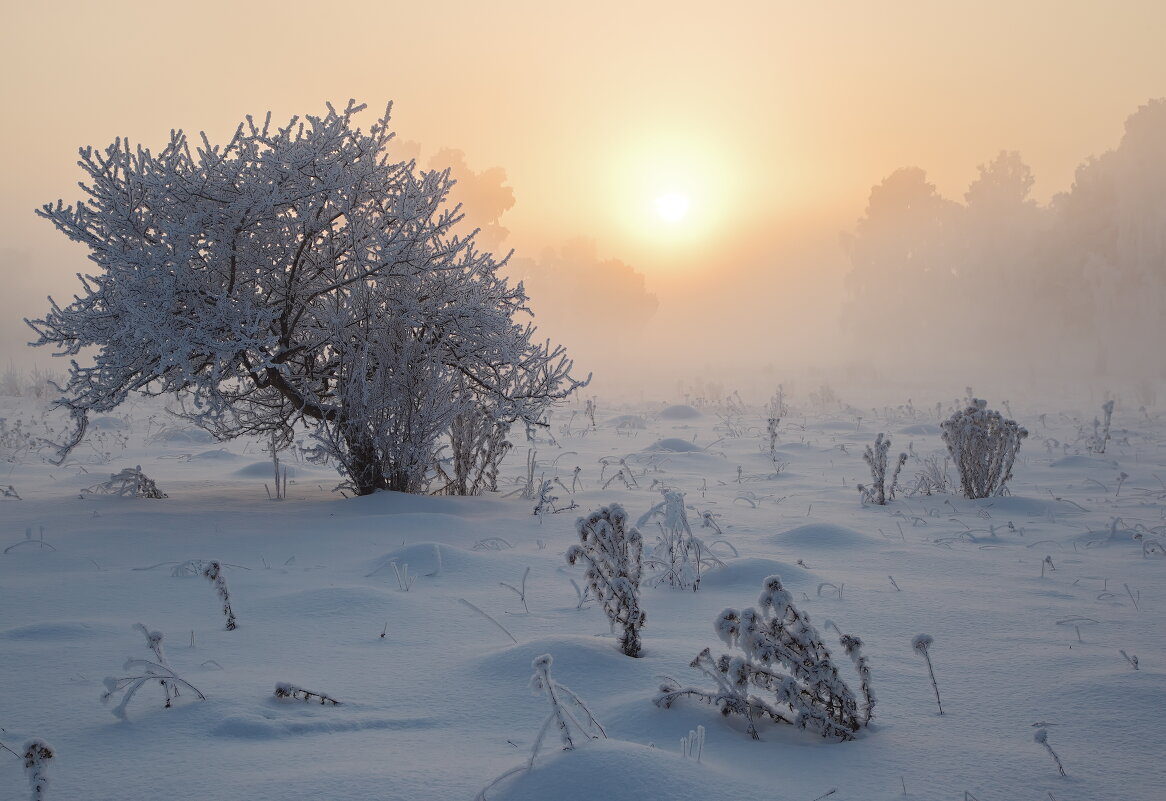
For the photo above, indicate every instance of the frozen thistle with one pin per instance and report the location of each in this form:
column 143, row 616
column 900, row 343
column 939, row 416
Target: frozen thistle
column 876, row 458
column 612, row 553
column 922, row 645
column 1041, row 736
column 784, row 655
column 983, row 447
column 37, row 754
column 213, row 572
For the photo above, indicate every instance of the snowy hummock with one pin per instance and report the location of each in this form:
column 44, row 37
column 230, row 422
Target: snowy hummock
column 435, row 697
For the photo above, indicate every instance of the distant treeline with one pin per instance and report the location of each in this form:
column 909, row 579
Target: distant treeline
column 1077, row 284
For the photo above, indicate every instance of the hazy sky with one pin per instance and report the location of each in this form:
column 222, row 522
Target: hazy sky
column 775, row 118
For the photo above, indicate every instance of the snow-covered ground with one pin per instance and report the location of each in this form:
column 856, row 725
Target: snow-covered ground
column 1030, row 599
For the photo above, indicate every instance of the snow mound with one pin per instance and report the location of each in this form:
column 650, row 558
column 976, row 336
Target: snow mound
column 225, row 455
column 679, row 412
column 1018, row 507
column 262, row 470
column 821, row 535
column 751, row 571
column 617, row 770
column 424, row 558
column 575, row 657
column 674, row 445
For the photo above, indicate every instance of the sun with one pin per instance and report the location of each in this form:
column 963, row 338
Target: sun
column 672, row 207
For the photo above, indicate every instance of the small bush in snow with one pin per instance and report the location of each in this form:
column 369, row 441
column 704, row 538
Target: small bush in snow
column 679, row 557
column 612, row 553
column 783, row 655
column 147, row 671
column 129, row 483
column 876, row 458
column 983, row 447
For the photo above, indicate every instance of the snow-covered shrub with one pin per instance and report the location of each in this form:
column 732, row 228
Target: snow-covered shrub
column 876, row 458
column 213, row 572
column 37, row 754
column 1101, row 429
column 129, row 483
column 784, row 656
column 983, row 446
column 612, row 553
column 296, row 274
column 569, row 715
column 679, row 557
column 147, row 671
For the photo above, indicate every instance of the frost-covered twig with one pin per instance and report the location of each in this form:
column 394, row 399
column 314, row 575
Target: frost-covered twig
column 1042, row 736
column 692, row 746
column 521, row 593
column 213, row 572
column 148, row 671
column 922, row 645
column 488, row 617
column 285, row 690
column 28, row 540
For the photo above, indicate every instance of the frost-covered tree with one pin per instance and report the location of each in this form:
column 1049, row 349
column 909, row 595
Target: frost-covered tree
column 983, row 446
column 784, row 656
column 612, row 553
column 295, row 274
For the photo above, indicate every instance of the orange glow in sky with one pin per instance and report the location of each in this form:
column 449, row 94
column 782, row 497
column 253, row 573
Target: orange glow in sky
column 772, row 118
